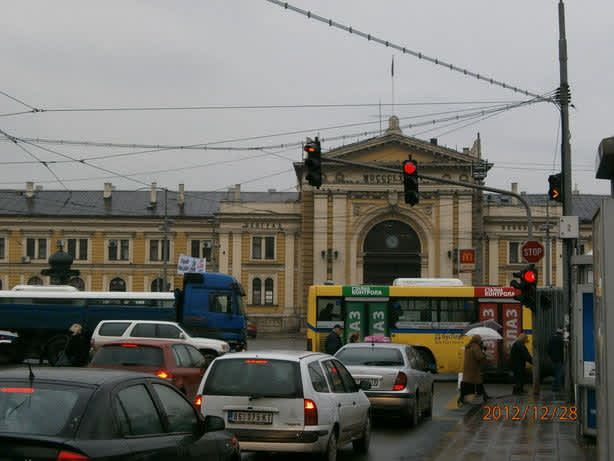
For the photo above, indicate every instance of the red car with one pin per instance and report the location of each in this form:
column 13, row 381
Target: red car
column 180, row 363
column 252, row 331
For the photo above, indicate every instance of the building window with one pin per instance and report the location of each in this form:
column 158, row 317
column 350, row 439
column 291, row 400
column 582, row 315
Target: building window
column 201, row 249
column 36, row 248
column 258, row 252
column 581, row 251
column 2, row 248
column 514, row 253
column 158, row 249
column 119, row 250
column 35, row 281
column 256, row 291
column 268, row 291
column 77, row 248
column 158, row 285
column 117, row 284
column 78, row 283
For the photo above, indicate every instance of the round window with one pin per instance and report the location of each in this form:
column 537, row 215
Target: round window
column 392, row 241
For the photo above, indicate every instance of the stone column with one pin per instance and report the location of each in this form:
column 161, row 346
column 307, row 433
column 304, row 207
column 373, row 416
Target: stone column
column 339, row 237
column 320, row 224
column 493, row 260
column 446, row 223
column 237, row 238
column 224, row 250
column 289, row 276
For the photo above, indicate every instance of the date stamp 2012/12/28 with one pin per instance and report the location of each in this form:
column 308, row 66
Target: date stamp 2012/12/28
column 529, row 412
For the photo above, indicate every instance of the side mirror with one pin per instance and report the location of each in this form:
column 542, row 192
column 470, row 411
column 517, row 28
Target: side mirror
column 181, row 335
column 365, row 385
column 214, row 423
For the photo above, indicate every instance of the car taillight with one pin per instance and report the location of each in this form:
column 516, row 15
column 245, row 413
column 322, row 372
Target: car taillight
column 311, row 413
column 401, row 382
column 65, row 455
column 198, row 401
column 163, row 374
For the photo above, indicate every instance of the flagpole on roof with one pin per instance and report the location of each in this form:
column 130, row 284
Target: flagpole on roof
column 392, row 83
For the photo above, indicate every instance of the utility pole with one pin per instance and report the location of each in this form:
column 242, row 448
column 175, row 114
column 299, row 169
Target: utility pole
column 165, row 244
column 568, row 247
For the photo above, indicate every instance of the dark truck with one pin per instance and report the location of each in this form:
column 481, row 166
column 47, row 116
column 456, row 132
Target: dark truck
column 210, row 305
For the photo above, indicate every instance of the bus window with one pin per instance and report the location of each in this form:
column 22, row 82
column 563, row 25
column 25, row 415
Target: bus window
column 412, row 313
column 330, row 310
column 457, row 310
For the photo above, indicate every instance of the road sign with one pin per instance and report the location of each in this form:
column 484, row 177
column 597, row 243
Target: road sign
column 532, row 251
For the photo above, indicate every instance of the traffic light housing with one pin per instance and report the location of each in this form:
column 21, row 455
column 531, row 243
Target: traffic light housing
column 526, row 286
column 555, row 191
column 313, row 162
column 410, row 182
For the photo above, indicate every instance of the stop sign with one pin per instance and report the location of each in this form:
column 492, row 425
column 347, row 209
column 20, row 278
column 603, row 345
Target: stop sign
column 532, row 251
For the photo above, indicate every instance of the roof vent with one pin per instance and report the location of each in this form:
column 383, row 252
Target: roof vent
column 108, row 189
column 153, row 198
column 181, row 195
column 434, row 141
column 29, row 189
column 270, row 191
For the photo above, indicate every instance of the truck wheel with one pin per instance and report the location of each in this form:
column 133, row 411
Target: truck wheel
column 54, row 348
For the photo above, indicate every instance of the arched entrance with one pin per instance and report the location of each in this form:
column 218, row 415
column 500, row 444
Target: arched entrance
column 391, row 250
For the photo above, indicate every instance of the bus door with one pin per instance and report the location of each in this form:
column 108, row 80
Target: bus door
column 366, row 317
column 355, row 319
column 378, row 318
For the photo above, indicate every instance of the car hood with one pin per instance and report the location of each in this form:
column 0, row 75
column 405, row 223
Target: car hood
column 211, row 343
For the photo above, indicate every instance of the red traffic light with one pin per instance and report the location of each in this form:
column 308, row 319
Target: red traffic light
column 529, row 276
column 409, row 168
column 310, row 149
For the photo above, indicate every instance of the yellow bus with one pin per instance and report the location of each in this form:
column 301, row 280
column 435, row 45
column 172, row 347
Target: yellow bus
column 432, row 318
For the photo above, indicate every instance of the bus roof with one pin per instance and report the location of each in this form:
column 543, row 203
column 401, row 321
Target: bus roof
column 427, row 283
column 43, row 288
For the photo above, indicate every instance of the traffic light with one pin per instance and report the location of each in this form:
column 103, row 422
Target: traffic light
column 527, row 286
column 313, row 162
column 555, row 192
column 410, row 182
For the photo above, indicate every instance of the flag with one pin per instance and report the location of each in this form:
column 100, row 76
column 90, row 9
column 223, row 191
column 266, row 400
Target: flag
column 392, row 67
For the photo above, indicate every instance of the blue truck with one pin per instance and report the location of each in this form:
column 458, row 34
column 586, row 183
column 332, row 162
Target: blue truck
column 210, row 305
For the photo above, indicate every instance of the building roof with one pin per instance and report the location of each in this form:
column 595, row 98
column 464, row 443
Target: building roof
column 583, row 205
column 86, row 203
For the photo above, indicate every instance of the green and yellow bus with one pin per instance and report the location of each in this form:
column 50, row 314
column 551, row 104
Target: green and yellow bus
column 430, row 314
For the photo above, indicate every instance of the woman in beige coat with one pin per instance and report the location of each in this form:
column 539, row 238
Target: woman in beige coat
column 475, row 358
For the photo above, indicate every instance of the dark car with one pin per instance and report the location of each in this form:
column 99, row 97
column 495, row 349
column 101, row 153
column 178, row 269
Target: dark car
column 88, row 414
column 178, row 362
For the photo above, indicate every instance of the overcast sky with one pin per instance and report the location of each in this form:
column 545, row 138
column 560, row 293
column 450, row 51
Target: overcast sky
column 75, row 54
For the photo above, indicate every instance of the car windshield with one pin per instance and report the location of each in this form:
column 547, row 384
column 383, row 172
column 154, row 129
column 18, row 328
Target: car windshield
column 255, row 378
column 371, row 356
column 129, row 355
column 40, row 409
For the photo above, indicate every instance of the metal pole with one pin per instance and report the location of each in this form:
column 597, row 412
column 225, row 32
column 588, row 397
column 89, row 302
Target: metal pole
column 165, row 243
column 469, row 185
column 566, row 170
column 548, row 254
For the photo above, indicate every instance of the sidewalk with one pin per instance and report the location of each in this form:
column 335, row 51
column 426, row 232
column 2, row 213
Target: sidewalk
column 506, row 429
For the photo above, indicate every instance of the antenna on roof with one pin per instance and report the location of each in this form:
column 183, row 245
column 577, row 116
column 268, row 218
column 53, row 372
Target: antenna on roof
column 31, row 374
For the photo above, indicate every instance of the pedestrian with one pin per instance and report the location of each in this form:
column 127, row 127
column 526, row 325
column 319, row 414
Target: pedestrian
column 556, row 352
column 333, row 341
column 475, row 358
column 354, row 337
column 519, row 356
column 77, row 348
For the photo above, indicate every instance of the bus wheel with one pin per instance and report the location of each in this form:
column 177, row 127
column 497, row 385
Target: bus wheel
column 54, row 348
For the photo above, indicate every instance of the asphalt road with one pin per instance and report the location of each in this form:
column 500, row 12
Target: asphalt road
column 391, row 439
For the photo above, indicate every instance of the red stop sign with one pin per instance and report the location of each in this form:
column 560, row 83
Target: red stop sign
column 532, row 251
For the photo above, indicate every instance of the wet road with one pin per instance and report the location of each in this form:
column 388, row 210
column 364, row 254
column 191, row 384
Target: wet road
column 391, row 439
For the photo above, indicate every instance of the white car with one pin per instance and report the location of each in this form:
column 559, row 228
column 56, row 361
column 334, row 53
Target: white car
column 287, row 401
column 113, row 330
column 399, row 379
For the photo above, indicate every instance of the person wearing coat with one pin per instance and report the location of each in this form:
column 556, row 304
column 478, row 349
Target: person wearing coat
column 77, row 348
column 519, row 356
column 474, row 360
column 333, row 341
column 556, row 352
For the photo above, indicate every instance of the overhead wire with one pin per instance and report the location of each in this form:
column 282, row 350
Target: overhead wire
column 17, row 100
column 404, row 50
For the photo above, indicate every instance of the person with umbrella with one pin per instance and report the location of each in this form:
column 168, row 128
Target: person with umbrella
column 472, row 381
column 519, row 356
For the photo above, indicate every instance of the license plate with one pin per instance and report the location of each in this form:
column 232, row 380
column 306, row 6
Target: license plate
column 250, row 417
column 374, row 382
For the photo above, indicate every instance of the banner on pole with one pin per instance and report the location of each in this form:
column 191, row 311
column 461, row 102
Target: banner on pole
column 190, row 265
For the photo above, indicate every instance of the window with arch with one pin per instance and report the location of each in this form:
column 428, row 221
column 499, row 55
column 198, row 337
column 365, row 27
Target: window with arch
column 256, row 291
column 78, row 283
column 158, row 285
column 35, row 281
column 268, row 291
column 117, row 284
